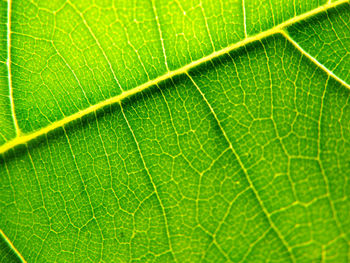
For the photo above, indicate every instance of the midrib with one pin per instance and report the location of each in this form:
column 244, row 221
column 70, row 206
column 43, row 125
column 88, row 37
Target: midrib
column 24, row 138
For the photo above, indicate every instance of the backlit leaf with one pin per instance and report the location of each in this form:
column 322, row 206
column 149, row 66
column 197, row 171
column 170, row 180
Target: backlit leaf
column 175, row 131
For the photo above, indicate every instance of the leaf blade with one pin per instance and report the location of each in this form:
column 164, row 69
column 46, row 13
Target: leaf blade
column 188, row 197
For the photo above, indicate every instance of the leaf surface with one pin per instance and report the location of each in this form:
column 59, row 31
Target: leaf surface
column 156, row 131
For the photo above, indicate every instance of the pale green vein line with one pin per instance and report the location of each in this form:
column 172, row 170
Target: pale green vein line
column 294, row 8
column 320, row 119
column 221, row 251
column 207, row 26
column 8, row 241
column 323, row 172
column 313, row 60
column 79, row 172
column 252, row 245
column 8, row 64
column 285, row 244
column 107, row 158
column 97, row 42
column 3, row 136
column 41, row 194
column 272, row 14
column 275, row 30
column 244, row 19
column 84, row 184
column 196, row 170
column 151, row 179
column 336, row 33
column 136, row 51
column 228, row 210
column 160, row 33
column 36, row 175
column 273, row 120
column 71, row 69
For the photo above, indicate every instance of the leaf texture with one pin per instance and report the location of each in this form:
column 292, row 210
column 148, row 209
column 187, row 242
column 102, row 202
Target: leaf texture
column 175, row 131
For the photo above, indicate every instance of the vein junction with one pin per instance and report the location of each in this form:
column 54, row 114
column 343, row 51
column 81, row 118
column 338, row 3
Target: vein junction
column 24, row 138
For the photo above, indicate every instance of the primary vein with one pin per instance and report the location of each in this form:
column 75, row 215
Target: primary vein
column 170, row 74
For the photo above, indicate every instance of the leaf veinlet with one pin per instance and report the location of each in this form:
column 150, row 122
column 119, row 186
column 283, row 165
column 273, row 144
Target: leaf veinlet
column 285, row 244
column 24, row 138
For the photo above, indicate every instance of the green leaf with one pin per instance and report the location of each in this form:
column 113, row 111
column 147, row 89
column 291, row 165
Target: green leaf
column 175, row 131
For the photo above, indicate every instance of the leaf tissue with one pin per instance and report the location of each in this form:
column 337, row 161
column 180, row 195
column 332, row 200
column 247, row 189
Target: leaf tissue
column 175, row 131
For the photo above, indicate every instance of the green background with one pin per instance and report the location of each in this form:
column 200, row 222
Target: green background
column 244, row 158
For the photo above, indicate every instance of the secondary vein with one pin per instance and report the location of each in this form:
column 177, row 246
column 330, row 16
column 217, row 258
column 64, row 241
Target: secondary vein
column 9, row 74
column 244, row 19
column 24, row 138
column 314, row 60
column 8, row 241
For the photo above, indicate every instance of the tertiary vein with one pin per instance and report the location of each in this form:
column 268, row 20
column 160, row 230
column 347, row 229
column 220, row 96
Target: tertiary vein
column 245, row 171
column 24, row 138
